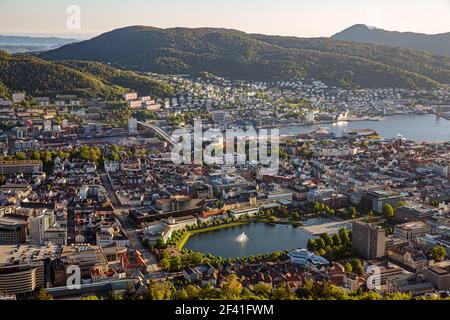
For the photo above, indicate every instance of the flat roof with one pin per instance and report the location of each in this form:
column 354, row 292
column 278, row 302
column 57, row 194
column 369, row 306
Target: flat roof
column 25, row 254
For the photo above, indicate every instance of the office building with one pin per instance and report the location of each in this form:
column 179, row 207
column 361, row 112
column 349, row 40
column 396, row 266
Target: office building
column 25, row 269
column 369, row 240
column 12, row 231
column 411, row 230
column 439, row 277
column 20, row 166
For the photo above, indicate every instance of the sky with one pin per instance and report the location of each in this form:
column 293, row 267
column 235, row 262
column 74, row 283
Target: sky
column 304, row 18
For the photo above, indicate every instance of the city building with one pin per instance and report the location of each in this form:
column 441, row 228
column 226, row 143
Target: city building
column 369, row 240
column 25, row 269
column 20, row 166
column 415, row 213
column 439, row 277
column 376, row 200
column 411, row 230
column 12, row 231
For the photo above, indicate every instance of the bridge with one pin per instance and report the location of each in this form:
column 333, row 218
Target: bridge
column 164, row 135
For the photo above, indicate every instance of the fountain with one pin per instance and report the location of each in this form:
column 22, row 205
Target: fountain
column 242, row 238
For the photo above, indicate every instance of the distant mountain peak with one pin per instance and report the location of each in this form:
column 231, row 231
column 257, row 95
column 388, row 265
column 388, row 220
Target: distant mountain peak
column 434, row 43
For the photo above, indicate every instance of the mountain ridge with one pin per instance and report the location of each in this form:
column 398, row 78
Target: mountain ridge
column 236, row 54
column 435, row 43
column 36, row 76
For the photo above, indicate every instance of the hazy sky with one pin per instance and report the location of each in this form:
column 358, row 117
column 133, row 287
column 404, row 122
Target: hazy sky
column 283, row 17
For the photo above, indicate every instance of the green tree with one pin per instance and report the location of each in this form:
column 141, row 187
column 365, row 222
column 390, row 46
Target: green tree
column 348, row 267
column 181, row 295
column 263, row 289
column 353, row 213
column 311, row 245
column 337, row 240
column 232, row 288
column 439, row 253
column 327, row 239
column 164, row 264
column 320, row 244
column 401, row 204
column 193, row 292
column 388, row 211
column 282, row 293
column 358, row 267
column 94, row 298
column 344, row 236
column 43, row 295
column 160, row 290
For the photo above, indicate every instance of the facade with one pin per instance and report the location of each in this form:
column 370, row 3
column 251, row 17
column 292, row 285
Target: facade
column 408, row 257
column 38, row 225
column 23, row 269
column 439, row 277
column 20, row 166
column 182, row 222
column 132, row 126
column 411, row 230
column 412, row 284
column 12, row 231
column 369, row 240
column 415, row 213
column 376, row 200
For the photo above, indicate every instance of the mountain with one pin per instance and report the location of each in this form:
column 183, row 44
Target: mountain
column 37, row 76
column 235, row 54
column 434, row 43
column 16, row 44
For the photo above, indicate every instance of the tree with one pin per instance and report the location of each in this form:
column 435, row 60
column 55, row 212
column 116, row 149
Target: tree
column 93, row 298
column 193, row 292
column 439, row 253
column 164, row 264
column 328, row 240
column 344, row 236
column 43, row 295
column 337, row 240
column 160, row 291
column 263, row 289
column 388, row 211
column 232, row 288
column 353, row 212
column 182, row 295
column 320, row 244
column 401, row 204
column 311, row 245
column 358, row 267
column 348, row 267
column 282, row 293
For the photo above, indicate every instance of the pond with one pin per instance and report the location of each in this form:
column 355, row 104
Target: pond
column 247, row 240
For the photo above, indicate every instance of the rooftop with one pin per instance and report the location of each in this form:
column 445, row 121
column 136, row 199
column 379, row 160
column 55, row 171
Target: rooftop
column 25, row 254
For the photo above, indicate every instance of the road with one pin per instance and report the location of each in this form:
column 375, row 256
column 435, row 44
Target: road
column 129, row 227
column 164, row 135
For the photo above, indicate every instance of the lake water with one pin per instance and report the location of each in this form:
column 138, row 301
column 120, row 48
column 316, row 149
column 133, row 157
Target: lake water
column 263, row 238
column 418, row 128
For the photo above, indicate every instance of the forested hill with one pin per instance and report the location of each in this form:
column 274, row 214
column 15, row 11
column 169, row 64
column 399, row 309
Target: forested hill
column 37, row 76
column 434, row 43
column 235, row 54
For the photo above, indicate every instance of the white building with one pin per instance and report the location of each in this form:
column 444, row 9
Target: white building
column 132, row 126
column 38, row 225
column 18, row 97
column 310, row 117
column 130, row 96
